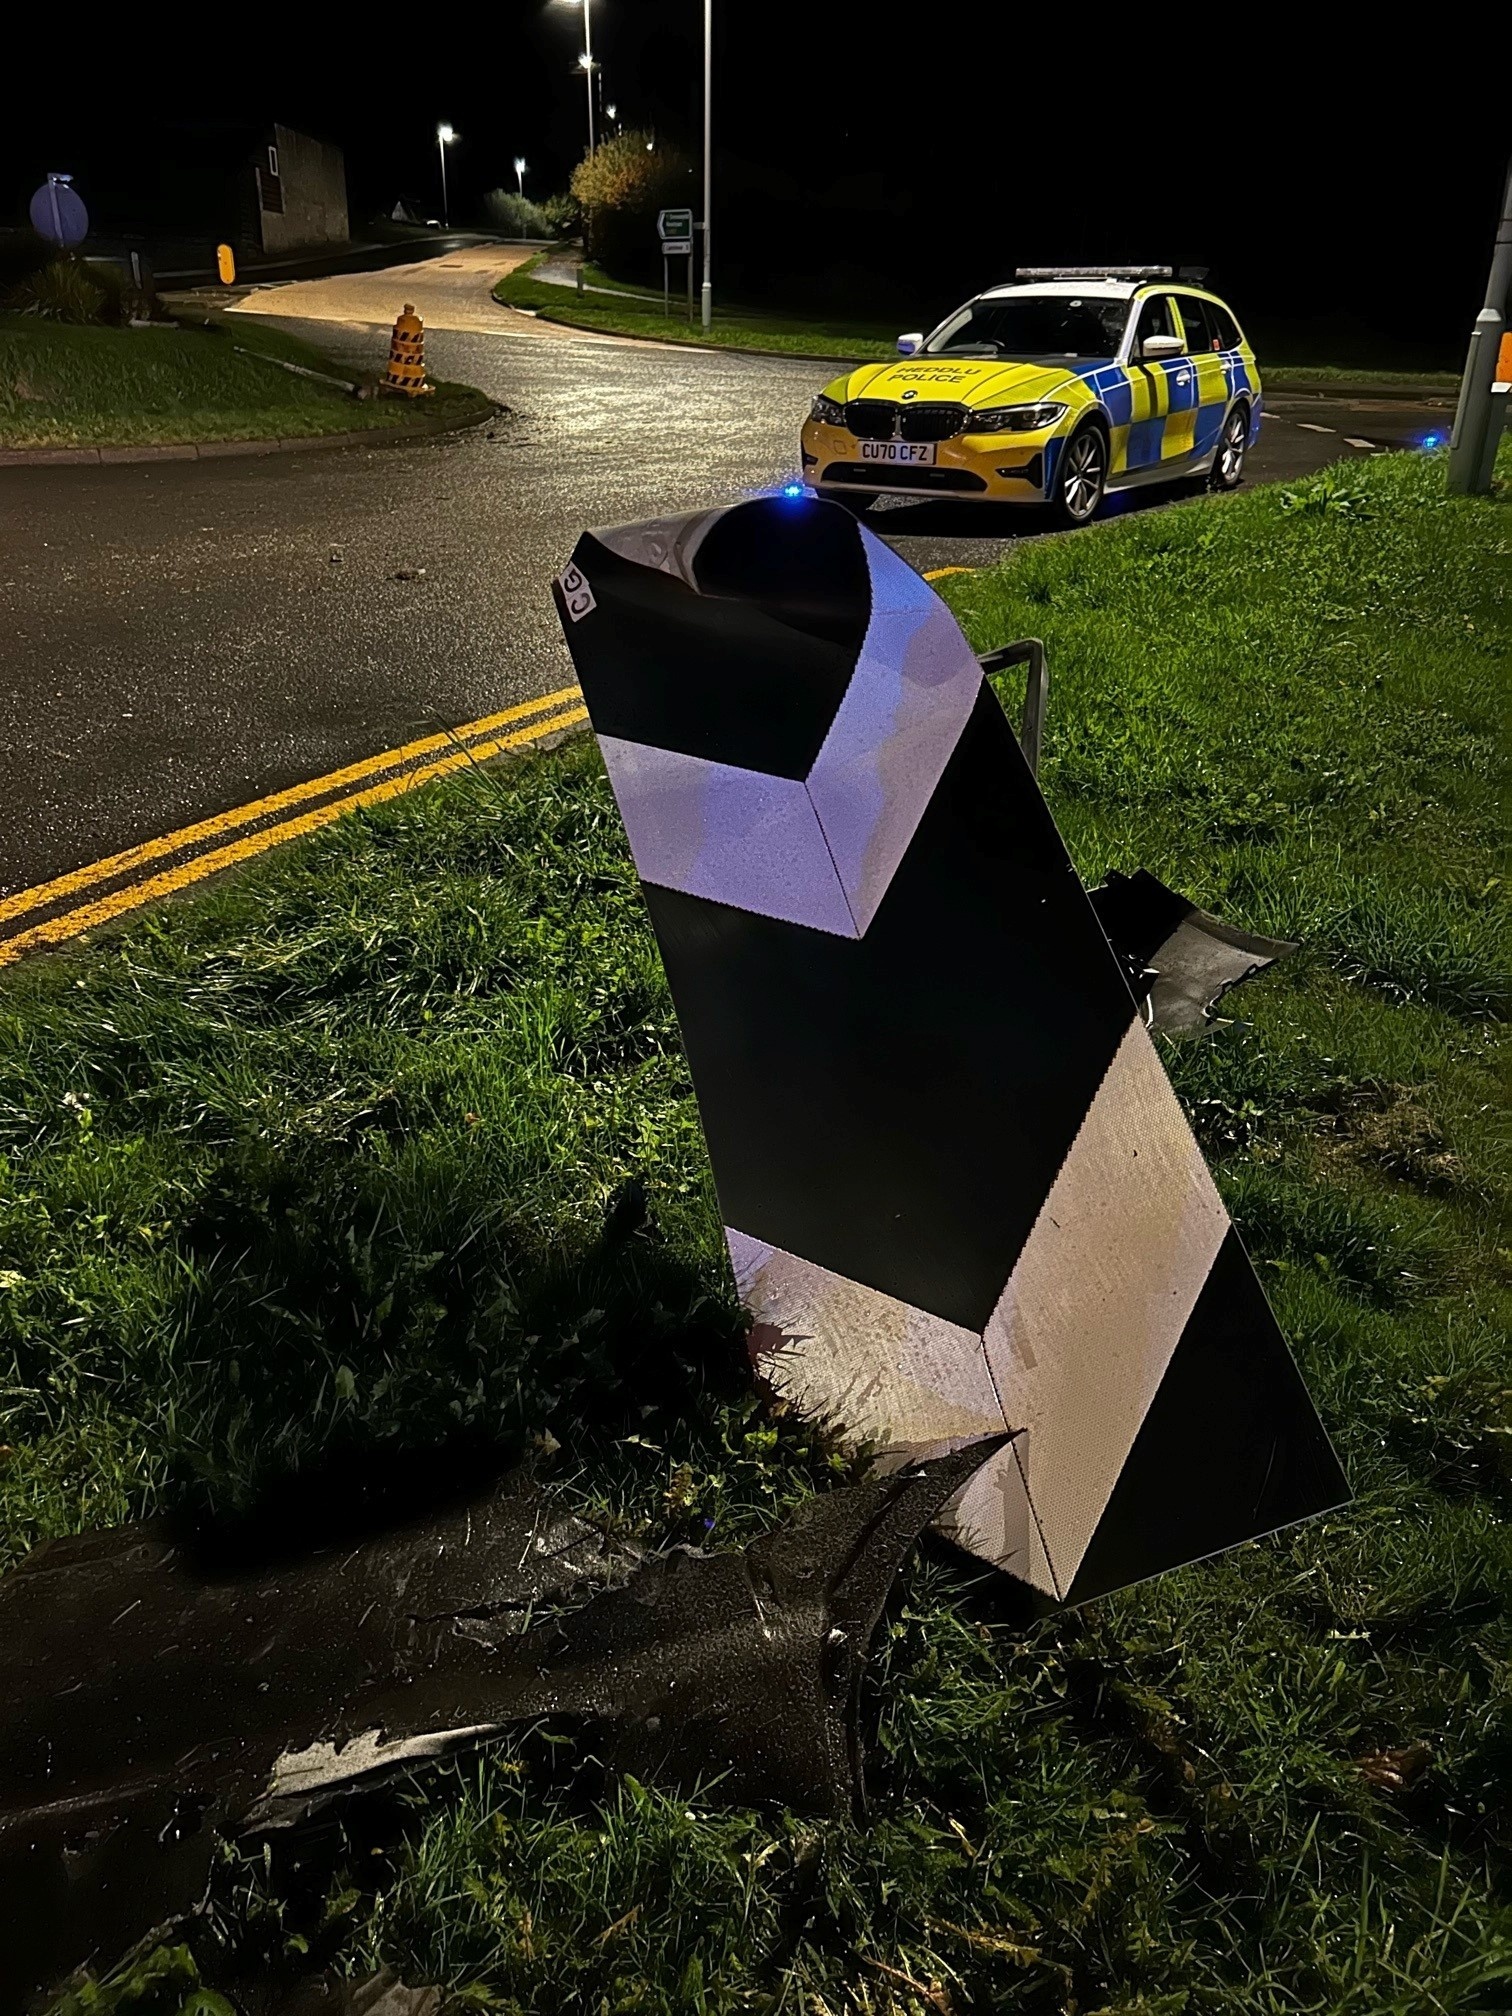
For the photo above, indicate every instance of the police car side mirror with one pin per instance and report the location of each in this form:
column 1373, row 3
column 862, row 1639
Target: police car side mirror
column 907, row 345
column 1162, row 346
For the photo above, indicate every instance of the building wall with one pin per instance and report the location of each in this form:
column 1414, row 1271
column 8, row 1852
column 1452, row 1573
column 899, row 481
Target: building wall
column 311, row 185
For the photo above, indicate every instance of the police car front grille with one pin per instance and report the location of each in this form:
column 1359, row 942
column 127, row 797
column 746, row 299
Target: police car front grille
column 932, row 422
column 886, row 420
column 871, row 419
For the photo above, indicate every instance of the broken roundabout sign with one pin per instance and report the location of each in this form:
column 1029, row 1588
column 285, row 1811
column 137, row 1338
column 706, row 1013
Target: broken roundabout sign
column 972, row 1226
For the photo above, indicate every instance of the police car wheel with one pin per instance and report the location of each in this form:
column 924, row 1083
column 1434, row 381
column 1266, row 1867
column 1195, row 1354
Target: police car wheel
column 1081, row 476
column 1228, row 463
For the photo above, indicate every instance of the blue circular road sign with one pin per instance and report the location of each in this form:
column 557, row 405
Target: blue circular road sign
column 57, row 212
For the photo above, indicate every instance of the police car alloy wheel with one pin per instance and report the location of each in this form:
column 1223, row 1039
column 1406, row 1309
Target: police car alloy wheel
column 1083, row 473
column 1229, row 467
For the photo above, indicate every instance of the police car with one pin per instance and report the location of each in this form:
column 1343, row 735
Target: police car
column 1056, row 389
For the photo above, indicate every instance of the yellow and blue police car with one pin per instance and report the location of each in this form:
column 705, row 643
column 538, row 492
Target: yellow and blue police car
column 1058, row 388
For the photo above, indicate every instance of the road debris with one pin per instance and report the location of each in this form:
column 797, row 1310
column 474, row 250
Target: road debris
column 1179, row 960
column 1395, row 1770
column 961, row 1198
column 157, row 1700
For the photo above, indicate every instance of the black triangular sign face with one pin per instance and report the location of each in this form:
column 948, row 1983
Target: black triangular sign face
column 1230, row 1447
column 960, row 1196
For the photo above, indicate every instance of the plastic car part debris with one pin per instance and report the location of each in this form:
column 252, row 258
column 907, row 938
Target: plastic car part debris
column 148, row 1696
column 153, row 1703
column 1179, row 960
column 747, row 1667
column 959, row 1193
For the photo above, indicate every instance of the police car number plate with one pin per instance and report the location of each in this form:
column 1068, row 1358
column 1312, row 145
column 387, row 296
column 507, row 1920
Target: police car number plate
column 897, row 451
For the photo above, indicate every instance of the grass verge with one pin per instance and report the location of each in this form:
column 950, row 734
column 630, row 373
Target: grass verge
column 390, row 1143
column 861, row 342
column 734, row 328
column 1327, row 377
column 66, row 387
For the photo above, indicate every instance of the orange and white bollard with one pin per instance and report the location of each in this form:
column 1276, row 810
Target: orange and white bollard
column 406, row 365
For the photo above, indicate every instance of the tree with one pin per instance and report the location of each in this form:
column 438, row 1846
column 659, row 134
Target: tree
column 621, row 185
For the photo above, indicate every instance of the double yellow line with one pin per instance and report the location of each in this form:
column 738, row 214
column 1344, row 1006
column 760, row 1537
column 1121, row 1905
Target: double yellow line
column 341, row 791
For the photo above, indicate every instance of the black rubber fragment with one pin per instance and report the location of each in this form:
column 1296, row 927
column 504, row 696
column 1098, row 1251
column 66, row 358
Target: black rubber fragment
column 152, row 1704
column 1179, row 960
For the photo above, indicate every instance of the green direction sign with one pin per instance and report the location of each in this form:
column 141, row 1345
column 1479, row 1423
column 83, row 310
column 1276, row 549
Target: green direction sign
column 674, row 225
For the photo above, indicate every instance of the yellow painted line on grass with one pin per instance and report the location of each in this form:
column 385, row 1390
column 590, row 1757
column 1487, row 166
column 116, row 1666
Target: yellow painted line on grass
column 939, row 573
column 278, row 801
column 87, row 915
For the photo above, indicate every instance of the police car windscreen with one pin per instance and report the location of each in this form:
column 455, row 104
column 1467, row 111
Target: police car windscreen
column 1032, row 326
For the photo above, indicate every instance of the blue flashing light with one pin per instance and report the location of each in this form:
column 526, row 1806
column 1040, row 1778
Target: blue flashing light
column 1432, row 441
column 792, row 490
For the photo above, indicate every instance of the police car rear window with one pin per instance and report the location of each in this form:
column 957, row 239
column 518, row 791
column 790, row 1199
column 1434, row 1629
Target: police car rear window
column 1032, row 326
column 1197, row 320
column 1224, row 326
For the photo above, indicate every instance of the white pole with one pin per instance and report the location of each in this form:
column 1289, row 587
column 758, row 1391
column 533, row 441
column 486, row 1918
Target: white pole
column 588, row 71
column 445, row 210
column 707, row 297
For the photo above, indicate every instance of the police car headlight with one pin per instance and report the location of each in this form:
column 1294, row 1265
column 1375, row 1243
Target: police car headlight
column 1014, row 419
column 829, row 411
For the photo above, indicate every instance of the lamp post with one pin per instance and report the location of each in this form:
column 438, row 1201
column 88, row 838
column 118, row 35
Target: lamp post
column 587, row 62
column 444, row 137
column 1477, row 421
column 706, row 294
column 520, row 174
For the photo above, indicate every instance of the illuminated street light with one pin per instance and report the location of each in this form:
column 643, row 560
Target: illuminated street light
column 520, row 165
column 444, row 138
column 585, row 61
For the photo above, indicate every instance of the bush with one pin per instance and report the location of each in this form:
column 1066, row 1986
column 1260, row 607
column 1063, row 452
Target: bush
column 88, row 292
column 564, row 214
column 62, row 291
column 516, row 216
column 621, row 186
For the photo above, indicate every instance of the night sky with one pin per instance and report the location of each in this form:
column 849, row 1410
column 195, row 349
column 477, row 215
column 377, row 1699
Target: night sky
column 871, row 161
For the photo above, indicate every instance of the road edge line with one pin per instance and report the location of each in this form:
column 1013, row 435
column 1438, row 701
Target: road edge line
column 73, row 880
column 137, row 895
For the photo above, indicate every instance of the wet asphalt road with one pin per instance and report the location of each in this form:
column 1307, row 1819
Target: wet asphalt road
column 177, row 639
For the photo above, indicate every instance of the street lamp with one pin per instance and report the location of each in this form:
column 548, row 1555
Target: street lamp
column 444, row 138
column 585, row 61
column 520, row 173
column 585, row 64
column 706, row 294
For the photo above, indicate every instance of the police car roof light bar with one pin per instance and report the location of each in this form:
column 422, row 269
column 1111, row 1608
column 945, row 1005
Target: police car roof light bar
column 1094, row 272
column 1196, row 275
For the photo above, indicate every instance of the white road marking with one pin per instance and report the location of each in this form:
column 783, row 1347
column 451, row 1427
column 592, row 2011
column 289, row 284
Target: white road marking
column 1354, row 441
column 1313, row 427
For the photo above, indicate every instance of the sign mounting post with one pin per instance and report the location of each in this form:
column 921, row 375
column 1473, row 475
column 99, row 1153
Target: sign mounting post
column 675, row 228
